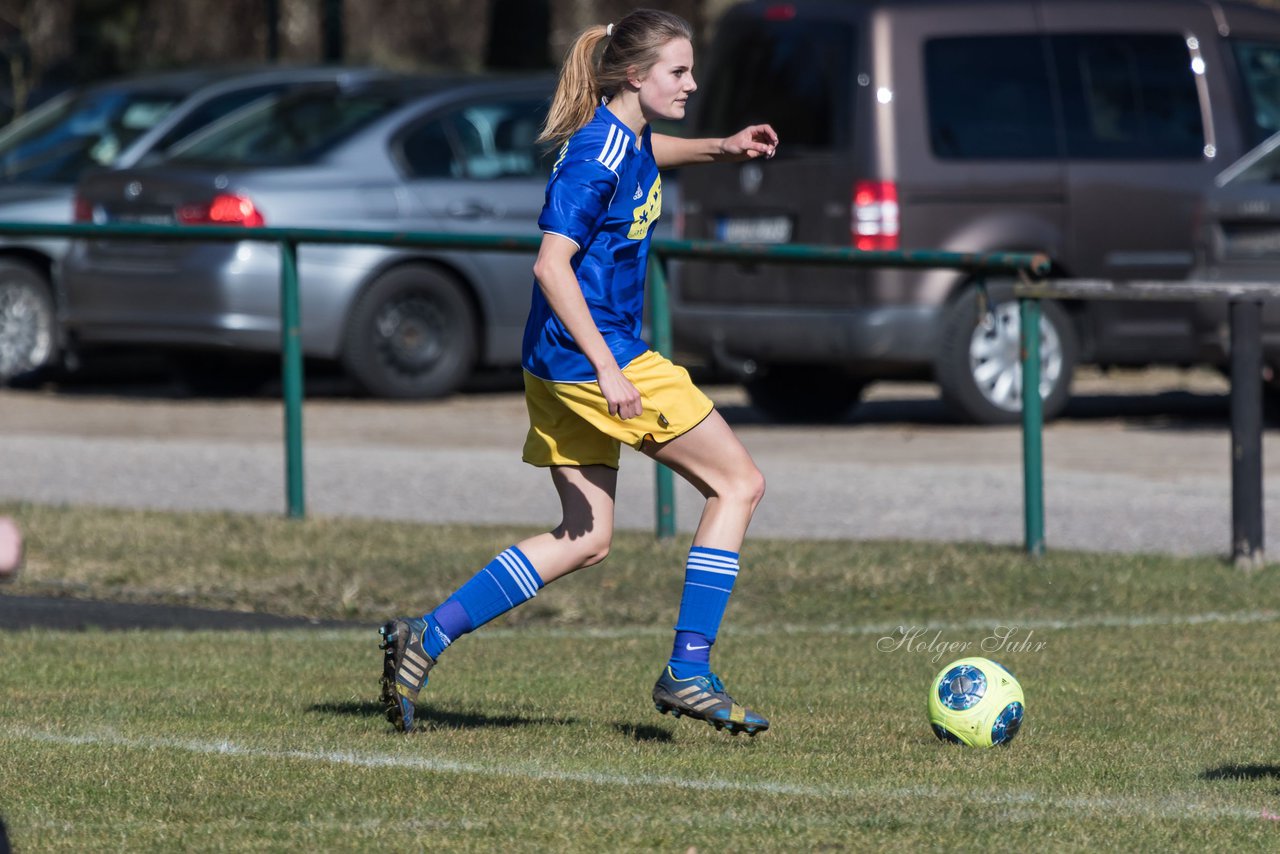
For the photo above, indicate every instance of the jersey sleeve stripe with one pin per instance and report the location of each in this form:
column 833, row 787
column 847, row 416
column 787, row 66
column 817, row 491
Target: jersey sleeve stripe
column 614, row 149
column 620, row 151
column 605, row 152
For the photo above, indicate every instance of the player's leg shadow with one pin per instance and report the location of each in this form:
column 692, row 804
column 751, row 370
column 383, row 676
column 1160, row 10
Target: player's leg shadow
column 437, row 717
column 1242, row 772
column 642, row 732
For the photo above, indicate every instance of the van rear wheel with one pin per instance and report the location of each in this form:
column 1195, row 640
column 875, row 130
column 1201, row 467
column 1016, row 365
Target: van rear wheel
column 800, row 393
column 979, row 364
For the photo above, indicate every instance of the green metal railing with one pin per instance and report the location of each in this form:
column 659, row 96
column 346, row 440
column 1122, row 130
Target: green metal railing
column 288, row 239
column 1245, row 300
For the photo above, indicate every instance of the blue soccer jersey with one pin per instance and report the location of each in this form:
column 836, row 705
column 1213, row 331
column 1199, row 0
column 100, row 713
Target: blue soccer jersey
column 604, row 194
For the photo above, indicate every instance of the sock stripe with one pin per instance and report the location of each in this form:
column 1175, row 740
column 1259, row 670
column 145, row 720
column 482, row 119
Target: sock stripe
column 510, row 567
column 712, row 560
column 526, row 569
column 518, row 574
column 707, row 551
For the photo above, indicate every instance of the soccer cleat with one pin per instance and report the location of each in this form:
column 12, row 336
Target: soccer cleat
column 704, row 698
column 404, row 668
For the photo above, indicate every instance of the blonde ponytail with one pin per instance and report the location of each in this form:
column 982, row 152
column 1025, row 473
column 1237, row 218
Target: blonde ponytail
column 577, row 92
column 632, row 43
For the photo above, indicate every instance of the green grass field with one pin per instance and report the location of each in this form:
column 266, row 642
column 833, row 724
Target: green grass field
column 1150, row 702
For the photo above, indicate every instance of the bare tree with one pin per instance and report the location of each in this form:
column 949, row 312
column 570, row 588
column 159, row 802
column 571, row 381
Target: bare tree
column 65, row 41
column 518, row 34
column 36, row 35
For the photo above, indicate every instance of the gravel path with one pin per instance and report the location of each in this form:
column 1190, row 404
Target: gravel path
column 1141, row 463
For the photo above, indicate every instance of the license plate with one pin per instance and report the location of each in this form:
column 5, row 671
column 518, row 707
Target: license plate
column 762, row 229
column 145, row 219
column 1253, row 242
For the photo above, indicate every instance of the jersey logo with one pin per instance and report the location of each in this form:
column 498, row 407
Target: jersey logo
column 647, row 214
column 639, row 193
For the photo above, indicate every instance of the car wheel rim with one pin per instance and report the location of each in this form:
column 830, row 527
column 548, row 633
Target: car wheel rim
column 25, row 335
column 412, row 334
column 995, row 357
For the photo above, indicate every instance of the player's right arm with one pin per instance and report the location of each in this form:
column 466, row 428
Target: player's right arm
column 554, row 271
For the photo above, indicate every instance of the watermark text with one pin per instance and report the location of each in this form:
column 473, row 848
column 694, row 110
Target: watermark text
column 1003, row 640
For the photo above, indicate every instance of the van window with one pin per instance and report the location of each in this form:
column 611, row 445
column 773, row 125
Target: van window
column 1128, row 96
column 797, row 75
column 1260, row 72
column 989, row 97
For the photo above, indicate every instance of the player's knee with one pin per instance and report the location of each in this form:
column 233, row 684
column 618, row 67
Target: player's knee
column 757, row 487
column 592, row 548
column 594, row 553
column 596, row 556
column 749, row 487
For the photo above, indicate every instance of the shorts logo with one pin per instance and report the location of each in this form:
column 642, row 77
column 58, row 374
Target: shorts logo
column 662, row 420
column 639, row 193
column 647, row 214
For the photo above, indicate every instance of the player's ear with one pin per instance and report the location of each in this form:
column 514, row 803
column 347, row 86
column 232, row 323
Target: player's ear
column 634, row 77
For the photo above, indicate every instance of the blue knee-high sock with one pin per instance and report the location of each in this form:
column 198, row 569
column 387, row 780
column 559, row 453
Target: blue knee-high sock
column 708, row 580
column 505, row 582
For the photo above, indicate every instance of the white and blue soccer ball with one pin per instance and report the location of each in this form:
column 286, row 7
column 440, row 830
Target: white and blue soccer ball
column 976, row 702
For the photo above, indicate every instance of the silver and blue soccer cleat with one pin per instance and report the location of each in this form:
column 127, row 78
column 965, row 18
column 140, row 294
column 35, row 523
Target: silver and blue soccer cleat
column 704, row 698
column 405, row 666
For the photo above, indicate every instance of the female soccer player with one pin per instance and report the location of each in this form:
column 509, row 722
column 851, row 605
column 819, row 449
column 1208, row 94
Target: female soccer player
column 591, row 383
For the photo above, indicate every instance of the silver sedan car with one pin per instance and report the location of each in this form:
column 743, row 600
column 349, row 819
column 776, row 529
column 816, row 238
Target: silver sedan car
column 446, row 155
column 116, row 124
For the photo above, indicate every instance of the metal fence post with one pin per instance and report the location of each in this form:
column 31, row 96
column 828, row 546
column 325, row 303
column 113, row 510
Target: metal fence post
column 291, row 378
column 660, row 323
column 1032, row 423
column 1246, row 434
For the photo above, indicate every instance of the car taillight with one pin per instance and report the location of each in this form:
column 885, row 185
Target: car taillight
column 875, row 215
column 224, row 209
column 83, row 210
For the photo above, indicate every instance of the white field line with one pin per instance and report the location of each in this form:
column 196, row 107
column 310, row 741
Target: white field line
column 1022, row 805
column 1104, row 621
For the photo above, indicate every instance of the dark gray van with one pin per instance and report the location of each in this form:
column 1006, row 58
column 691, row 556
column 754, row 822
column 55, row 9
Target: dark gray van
column 1083, row 128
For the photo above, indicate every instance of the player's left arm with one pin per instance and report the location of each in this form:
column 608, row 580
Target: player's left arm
column 749, row 143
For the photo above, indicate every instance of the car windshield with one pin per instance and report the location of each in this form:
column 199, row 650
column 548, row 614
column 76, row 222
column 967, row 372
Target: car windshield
column 62, row 138
column 289, row 128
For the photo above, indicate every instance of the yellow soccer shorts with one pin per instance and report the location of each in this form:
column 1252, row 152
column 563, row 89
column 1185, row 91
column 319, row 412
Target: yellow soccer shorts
column 570, row 424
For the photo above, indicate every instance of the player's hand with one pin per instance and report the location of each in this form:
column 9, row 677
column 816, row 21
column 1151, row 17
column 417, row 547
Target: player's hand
column 623, row 397
column 751, row 142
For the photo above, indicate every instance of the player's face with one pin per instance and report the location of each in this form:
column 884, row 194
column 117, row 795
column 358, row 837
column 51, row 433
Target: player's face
column 668, row 85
